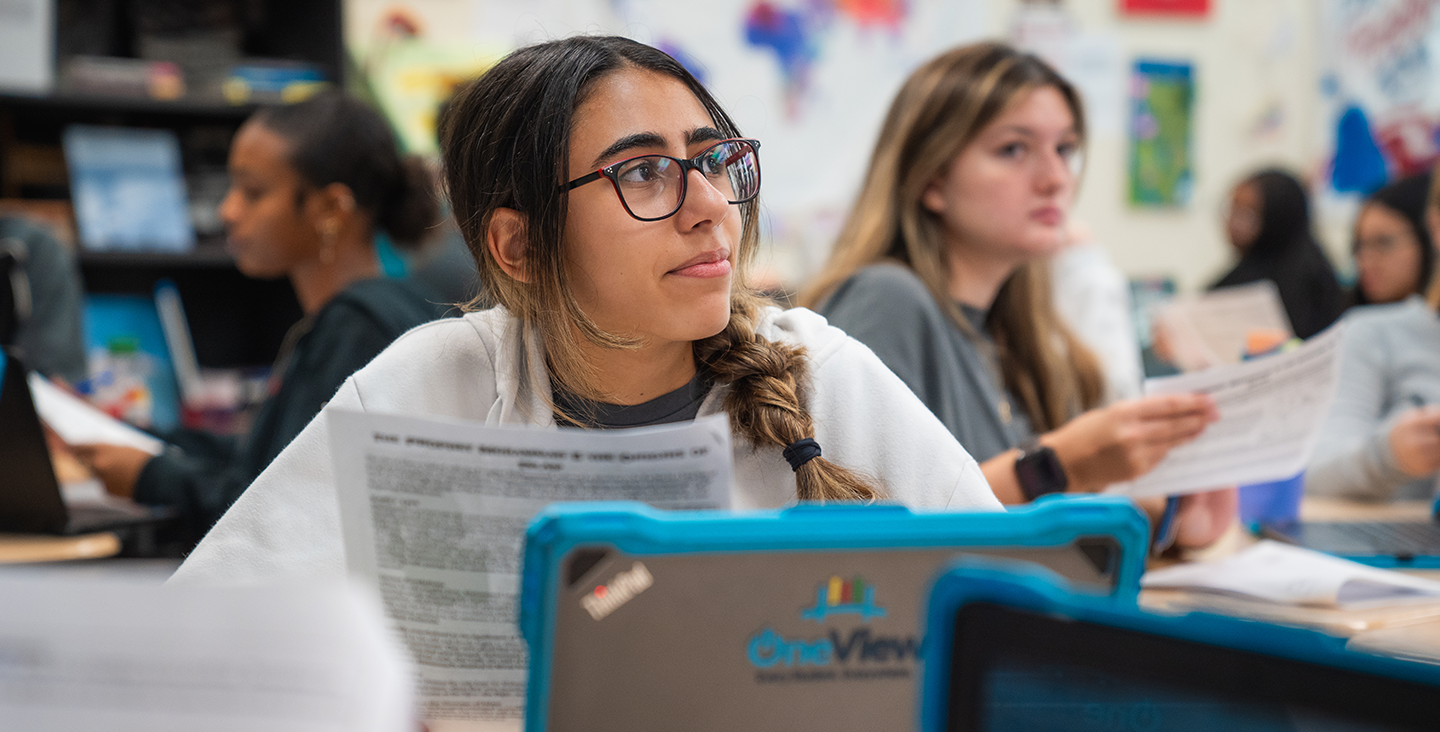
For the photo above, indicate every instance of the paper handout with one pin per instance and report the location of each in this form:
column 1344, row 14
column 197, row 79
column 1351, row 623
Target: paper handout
column 1271, row 411
column 1281, row 573
column 131, row 657
column 1210, row 330
column 434, row 513
column 79, row 423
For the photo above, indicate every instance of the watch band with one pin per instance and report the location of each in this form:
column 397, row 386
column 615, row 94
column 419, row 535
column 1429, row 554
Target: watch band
column 1039, row 472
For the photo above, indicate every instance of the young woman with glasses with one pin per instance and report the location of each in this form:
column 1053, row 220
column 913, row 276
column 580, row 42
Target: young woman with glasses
column 942, row 269
column 610, row 204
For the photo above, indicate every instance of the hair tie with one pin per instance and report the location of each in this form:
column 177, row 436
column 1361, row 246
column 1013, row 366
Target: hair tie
column 801, row 451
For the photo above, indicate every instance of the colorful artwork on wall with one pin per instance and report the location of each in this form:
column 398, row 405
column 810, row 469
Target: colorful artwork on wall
column 1162, row 100
column 1380, row 85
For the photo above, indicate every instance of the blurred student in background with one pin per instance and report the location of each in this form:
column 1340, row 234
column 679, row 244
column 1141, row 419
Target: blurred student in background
column 310, row 185
column 1092, row 295
column 1268, row 223
column 40, row 319
column 942, row 269
column 1393, row 256
column 1382, row 438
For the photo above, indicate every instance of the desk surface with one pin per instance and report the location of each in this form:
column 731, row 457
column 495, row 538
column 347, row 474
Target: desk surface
column 1410, row 631
column 30, row 548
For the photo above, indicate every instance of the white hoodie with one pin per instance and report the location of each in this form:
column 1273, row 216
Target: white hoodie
column 487, row 367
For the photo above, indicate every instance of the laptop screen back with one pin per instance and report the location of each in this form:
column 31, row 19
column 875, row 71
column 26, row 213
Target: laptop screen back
column 1019, row 670
column 757, row 640
column 30, row 499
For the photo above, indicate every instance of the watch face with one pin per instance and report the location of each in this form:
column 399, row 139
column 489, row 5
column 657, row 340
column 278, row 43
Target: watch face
column 1040, row 472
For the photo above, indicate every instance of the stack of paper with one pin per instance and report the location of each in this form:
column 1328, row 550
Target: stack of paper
column 1281, row 573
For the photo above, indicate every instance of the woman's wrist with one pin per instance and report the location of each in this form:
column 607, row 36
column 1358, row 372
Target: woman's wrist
column 1071, row 457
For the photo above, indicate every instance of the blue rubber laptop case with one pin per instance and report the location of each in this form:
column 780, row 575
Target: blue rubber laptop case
column 806, row 618
column 1013, row 646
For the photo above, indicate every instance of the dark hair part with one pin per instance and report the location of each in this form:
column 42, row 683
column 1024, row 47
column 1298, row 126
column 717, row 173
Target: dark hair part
column 1407, row 198
column 505, row 143
column 334, row 138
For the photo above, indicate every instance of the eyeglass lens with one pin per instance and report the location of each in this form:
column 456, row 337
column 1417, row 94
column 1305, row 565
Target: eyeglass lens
column 653, row 186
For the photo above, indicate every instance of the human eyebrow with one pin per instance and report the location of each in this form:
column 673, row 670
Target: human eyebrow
column 1068, row 132
column 628, row 142
column 704, row 134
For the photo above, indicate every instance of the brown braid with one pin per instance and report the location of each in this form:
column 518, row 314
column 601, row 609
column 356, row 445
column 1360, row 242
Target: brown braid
column 766, row 402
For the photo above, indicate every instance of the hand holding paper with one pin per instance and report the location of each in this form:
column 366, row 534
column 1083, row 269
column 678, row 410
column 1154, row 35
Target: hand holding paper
column 1271, row 411
column 79, row 423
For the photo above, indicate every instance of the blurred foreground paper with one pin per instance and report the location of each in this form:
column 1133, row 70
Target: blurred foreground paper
column 434, row 513
column 123, row 657
column 1271, row 411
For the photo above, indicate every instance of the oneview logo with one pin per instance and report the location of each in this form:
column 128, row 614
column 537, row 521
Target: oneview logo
column 604, row 599
column 769, row 649
column 840, row 596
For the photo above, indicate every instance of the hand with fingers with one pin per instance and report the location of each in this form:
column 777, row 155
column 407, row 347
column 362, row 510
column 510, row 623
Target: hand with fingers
column 117, row 466
column 1126, row 439
column 1415, row 441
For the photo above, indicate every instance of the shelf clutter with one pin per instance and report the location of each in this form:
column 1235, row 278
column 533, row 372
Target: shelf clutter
column 101, row 98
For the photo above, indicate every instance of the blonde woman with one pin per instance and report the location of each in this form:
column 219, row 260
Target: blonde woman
column 941, row 269
column 1382, row 438
column 610, row 204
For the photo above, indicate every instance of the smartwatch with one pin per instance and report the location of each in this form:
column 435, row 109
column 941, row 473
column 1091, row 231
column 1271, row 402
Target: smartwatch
column 1039, row 471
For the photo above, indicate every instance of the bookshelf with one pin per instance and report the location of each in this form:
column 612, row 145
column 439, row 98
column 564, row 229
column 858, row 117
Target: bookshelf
column 235, row 321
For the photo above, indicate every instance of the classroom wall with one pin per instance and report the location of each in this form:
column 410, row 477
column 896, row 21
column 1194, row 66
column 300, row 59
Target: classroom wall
column 1258, row 103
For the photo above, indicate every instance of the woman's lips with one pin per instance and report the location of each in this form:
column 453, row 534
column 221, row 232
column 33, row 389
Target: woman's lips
column 1049, row 215
column 705, row 266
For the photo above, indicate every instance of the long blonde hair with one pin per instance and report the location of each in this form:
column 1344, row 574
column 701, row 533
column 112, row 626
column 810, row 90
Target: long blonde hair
column 1432, row 205
column 505, row 143
column 940, row 109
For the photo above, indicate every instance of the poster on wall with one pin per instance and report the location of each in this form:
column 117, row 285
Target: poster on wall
column 1382, row 89
column 1162, row 100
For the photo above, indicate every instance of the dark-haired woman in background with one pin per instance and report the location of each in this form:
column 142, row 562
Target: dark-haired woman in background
column 1269, row 224
column 311, row 184
column 1393, row 256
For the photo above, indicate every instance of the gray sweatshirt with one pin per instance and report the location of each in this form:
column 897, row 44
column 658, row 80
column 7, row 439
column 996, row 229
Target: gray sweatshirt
column 888, row 308
column 1390, row 362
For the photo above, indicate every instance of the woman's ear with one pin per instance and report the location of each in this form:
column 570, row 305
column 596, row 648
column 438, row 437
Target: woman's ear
column 505, row 238
column 933, row 197
column 329, row 208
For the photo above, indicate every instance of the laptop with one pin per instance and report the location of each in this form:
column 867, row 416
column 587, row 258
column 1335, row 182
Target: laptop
column 30, row 497
column 806, row 618
column 1016, row 647
column 1396, row 544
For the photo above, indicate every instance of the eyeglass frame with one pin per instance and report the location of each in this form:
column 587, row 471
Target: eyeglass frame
column 686, row 165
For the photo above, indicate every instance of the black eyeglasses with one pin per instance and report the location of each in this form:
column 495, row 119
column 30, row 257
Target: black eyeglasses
column 652, row 187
